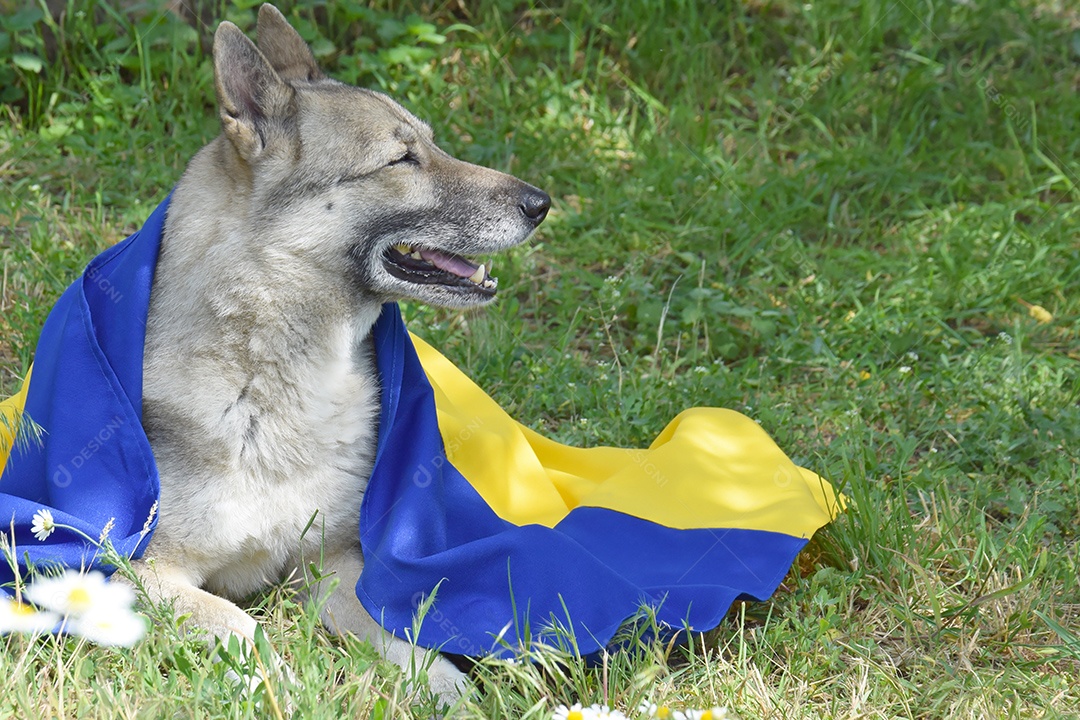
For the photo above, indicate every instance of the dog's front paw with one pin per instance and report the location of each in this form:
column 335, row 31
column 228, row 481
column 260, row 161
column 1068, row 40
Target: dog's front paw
column 255, row 665
column 446, row 682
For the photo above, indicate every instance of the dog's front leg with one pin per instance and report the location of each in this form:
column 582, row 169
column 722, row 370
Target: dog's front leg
column 343, row 613
column 220, row 618
column 212, row 613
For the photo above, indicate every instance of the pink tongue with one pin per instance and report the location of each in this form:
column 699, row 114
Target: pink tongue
column 450, row 263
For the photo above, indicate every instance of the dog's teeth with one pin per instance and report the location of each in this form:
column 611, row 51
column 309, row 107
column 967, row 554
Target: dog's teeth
column 491, row 283
column 478, row 276
column 415, row 255
column 403, row 248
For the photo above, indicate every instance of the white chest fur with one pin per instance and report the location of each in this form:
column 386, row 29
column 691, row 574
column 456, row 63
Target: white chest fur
column 295, row 482
column 264, row 430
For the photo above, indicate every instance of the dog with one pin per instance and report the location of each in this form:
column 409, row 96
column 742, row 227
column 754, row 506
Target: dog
column 317, row 203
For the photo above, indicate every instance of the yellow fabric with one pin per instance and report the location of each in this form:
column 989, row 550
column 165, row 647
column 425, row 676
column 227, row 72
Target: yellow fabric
column 709, row 468
column 10, row 415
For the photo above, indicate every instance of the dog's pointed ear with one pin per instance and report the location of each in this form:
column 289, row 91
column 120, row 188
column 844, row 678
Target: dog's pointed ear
column 251, row 95
column 284, row 47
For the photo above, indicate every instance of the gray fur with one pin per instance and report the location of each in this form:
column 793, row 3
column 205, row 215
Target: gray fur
column 260, row 395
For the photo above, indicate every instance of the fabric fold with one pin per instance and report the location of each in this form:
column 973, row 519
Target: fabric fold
column 517, row 531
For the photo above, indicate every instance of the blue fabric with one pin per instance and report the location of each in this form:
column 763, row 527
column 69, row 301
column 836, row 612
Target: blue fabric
column 94, row 463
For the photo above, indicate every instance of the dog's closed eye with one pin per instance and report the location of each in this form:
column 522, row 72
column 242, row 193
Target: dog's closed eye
column 406, row 158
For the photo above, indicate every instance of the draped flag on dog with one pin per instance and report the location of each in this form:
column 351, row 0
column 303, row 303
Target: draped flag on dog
column 514, row 533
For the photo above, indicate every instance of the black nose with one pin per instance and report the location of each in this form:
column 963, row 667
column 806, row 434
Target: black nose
column 535, row 204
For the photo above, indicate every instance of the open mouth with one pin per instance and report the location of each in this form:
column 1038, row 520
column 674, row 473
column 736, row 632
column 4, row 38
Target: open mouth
column 436, row 267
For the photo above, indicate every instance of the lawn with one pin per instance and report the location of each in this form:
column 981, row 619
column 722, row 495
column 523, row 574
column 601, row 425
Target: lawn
column 856, row 222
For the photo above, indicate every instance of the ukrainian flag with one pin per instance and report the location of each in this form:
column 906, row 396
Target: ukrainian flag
column 514, row 533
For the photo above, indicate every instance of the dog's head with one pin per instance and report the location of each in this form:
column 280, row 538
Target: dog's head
column 348, row 180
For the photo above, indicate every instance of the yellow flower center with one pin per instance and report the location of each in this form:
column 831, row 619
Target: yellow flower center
column 663, row 712
column 575, row 715
column 22, row 609
column 707, row 715
column 78, row 600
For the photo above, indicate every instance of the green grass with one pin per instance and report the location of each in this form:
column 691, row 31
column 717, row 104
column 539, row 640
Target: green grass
column 832, row 216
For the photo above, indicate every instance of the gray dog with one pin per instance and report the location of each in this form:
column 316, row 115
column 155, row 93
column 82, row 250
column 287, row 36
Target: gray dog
column 317, row 203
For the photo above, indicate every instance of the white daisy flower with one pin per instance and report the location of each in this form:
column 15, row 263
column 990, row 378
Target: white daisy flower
column 661, row 712
column 75, row 594
column 22, row 618
column 110, row 626
column 574, row 712
column 603, row 712
column 42, row 524
column 716, row 713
